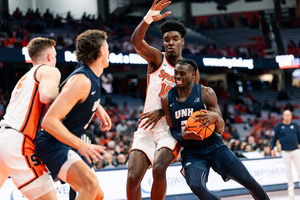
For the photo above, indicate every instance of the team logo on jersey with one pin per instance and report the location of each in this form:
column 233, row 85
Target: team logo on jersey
column 292, row 127
column 183, row 112
column 165, row 75
column 197, row 100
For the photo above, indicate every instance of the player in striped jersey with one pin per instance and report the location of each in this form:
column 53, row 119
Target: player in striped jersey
column 153, row 144
column 29, row 99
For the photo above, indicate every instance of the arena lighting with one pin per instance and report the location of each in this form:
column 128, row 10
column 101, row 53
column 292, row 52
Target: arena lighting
column 228, row 62
column 287, row 61
column 120, row 58
column 26, row 54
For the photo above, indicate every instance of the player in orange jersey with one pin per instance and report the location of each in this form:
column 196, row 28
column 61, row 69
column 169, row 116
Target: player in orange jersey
column 29, row 99
column 153, row 144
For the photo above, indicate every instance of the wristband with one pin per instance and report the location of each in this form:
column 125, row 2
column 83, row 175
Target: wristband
column 148, row 17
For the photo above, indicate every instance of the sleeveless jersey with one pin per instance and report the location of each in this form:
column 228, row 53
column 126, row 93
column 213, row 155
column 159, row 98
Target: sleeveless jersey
column 159, row 82
column 180, row 113
column 80, row 115
column 25, row 109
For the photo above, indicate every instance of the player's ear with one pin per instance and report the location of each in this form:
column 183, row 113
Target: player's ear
column 48, row 57
column 182, row 40
column 101, row 51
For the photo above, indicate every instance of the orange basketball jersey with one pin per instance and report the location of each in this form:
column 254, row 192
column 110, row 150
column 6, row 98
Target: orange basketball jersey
column 25, row 110
column 159, row 82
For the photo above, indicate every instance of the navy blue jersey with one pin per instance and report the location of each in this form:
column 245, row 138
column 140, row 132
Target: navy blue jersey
column 180, row 113
column 288, row 135
column 80, row 115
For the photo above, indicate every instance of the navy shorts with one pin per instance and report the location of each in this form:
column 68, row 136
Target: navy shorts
column 51, row 151
column 217, row 155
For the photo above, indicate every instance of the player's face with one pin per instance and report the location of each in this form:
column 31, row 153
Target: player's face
column 173, row 43
column 105, row 54
column 183, row 75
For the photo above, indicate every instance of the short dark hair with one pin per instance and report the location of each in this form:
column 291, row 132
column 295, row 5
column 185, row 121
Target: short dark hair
column 173, row 25
column 191, row 63
column 38, row 45
column 88, row 45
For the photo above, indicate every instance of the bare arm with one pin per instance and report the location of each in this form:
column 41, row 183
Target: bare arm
column 49, row 78
column 151, row 54
column 165, row 108
column 105, row 119
column 75, row 91
column 210, row 100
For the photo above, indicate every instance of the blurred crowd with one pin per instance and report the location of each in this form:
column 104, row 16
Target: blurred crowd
column 17, row 29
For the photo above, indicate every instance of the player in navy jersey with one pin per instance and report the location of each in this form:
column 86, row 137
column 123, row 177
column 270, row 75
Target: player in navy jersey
column 289, row 136
column 199, row 155
column 153, row 144
column 70, row 113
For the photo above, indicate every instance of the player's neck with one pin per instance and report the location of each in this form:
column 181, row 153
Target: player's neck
column 94, row 66
column 173, row 60
column 183, row 93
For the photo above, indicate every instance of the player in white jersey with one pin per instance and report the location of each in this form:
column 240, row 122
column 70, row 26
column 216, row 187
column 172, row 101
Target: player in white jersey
column 29, row 99
column 153, row 144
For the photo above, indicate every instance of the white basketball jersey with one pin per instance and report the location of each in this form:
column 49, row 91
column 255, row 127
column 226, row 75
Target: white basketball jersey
column 25, row 110
column 159, row 82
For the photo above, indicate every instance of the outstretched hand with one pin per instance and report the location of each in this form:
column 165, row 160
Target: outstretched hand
column 159, row 7
column 92, row 152
column 152, row 118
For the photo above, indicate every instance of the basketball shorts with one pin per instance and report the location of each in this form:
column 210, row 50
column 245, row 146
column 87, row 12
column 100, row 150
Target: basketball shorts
column 149, row 142
column 19, row 161
column 57, row 156
column 218, row 156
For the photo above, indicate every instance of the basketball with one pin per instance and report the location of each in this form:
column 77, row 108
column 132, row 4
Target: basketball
column 195, row 126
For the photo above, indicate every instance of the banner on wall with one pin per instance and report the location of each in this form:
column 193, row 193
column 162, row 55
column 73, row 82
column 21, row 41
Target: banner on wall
column 266, row 171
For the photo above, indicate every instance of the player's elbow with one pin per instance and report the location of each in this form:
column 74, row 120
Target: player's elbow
column 134, row 41
column 48, row 97
column 45, row 124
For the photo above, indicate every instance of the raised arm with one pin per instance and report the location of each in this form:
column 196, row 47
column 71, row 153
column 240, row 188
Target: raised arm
column 151, row 54
column 215, row 116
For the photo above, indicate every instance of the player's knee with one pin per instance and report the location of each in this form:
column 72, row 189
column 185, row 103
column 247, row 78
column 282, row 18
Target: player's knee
column 100, row 194
column 132, row 179
column 159, row 171
column 198, row 188
column 91, row 185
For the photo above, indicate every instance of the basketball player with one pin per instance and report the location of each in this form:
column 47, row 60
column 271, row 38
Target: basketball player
column 71, row 112
column 153, row 144
column 199, row 155
column 29, row 99
column 289, row 136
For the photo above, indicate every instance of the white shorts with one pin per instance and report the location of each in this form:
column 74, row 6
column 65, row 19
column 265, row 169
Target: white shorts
column 18, row 160
column 149, row 142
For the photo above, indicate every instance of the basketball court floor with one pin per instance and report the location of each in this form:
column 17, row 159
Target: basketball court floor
column 274, row 195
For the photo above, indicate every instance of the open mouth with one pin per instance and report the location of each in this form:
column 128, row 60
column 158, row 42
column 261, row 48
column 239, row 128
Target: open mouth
column 178, row 82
